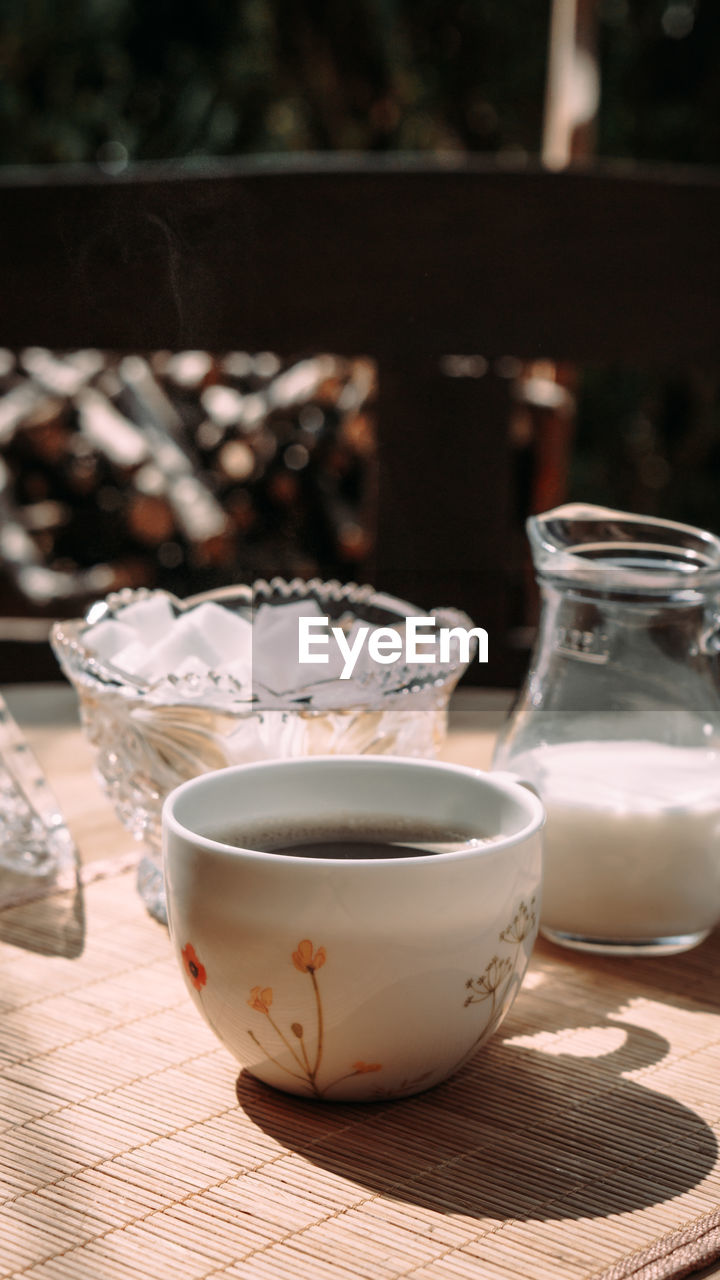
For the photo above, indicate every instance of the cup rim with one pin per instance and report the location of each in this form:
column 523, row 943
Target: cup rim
column 533, row 807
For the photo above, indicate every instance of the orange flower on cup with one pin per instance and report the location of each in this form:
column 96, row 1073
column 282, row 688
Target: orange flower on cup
column 193, row 968
column 306, row 1061
column 261, row 999
column 305, row 960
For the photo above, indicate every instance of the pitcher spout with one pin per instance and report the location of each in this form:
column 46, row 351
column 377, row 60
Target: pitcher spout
column 622, row 551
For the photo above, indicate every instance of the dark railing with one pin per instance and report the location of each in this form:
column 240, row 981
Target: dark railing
column 408, row 261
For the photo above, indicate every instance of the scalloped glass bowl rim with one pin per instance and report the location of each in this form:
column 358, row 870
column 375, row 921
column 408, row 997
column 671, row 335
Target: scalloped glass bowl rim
column 396, row 681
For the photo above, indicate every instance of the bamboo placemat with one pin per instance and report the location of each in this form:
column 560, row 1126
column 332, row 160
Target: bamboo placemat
column 582, row 1142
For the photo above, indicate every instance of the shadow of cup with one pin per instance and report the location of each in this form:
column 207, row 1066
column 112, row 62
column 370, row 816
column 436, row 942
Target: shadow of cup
column 518, row 1133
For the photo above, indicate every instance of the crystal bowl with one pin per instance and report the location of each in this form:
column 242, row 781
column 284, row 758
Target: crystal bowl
column 152, row 733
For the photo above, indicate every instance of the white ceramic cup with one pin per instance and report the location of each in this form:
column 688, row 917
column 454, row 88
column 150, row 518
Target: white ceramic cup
column 353, row 979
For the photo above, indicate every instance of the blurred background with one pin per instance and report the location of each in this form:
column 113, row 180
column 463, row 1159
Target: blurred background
column 189, row 469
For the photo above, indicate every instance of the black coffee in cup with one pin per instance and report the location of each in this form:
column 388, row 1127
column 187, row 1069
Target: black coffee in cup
column 364, row 839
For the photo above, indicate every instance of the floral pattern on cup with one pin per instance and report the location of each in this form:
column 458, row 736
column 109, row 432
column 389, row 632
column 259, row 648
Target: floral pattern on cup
column 522, row 924
column 501, row 973
column 491, row 987
column 490, row 980
column 306, row 959
column 193, row 968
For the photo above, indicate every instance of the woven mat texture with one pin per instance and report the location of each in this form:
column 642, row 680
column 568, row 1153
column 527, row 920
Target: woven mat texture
column 583, row 1142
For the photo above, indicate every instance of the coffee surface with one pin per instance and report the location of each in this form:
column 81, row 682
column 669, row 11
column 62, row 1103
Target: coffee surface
column 364, row 839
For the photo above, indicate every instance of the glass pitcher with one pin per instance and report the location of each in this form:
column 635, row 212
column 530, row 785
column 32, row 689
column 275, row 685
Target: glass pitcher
column 618, row 728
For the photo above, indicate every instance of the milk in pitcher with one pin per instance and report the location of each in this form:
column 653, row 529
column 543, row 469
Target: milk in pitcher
column 632, row 841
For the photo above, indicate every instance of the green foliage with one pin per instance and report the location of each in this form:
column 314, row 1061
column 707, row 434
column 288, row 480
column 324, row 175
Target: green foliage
column 175, row 79
column 222, row 77
column 660, row 84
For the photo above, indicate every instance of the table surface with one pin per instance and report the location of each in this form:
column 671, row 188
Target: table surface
column 583, row 1141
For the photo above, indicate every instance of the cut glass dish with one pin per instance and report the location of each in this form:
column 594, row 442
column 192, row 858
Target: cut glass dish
column 151, row 733
column 35, row 844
